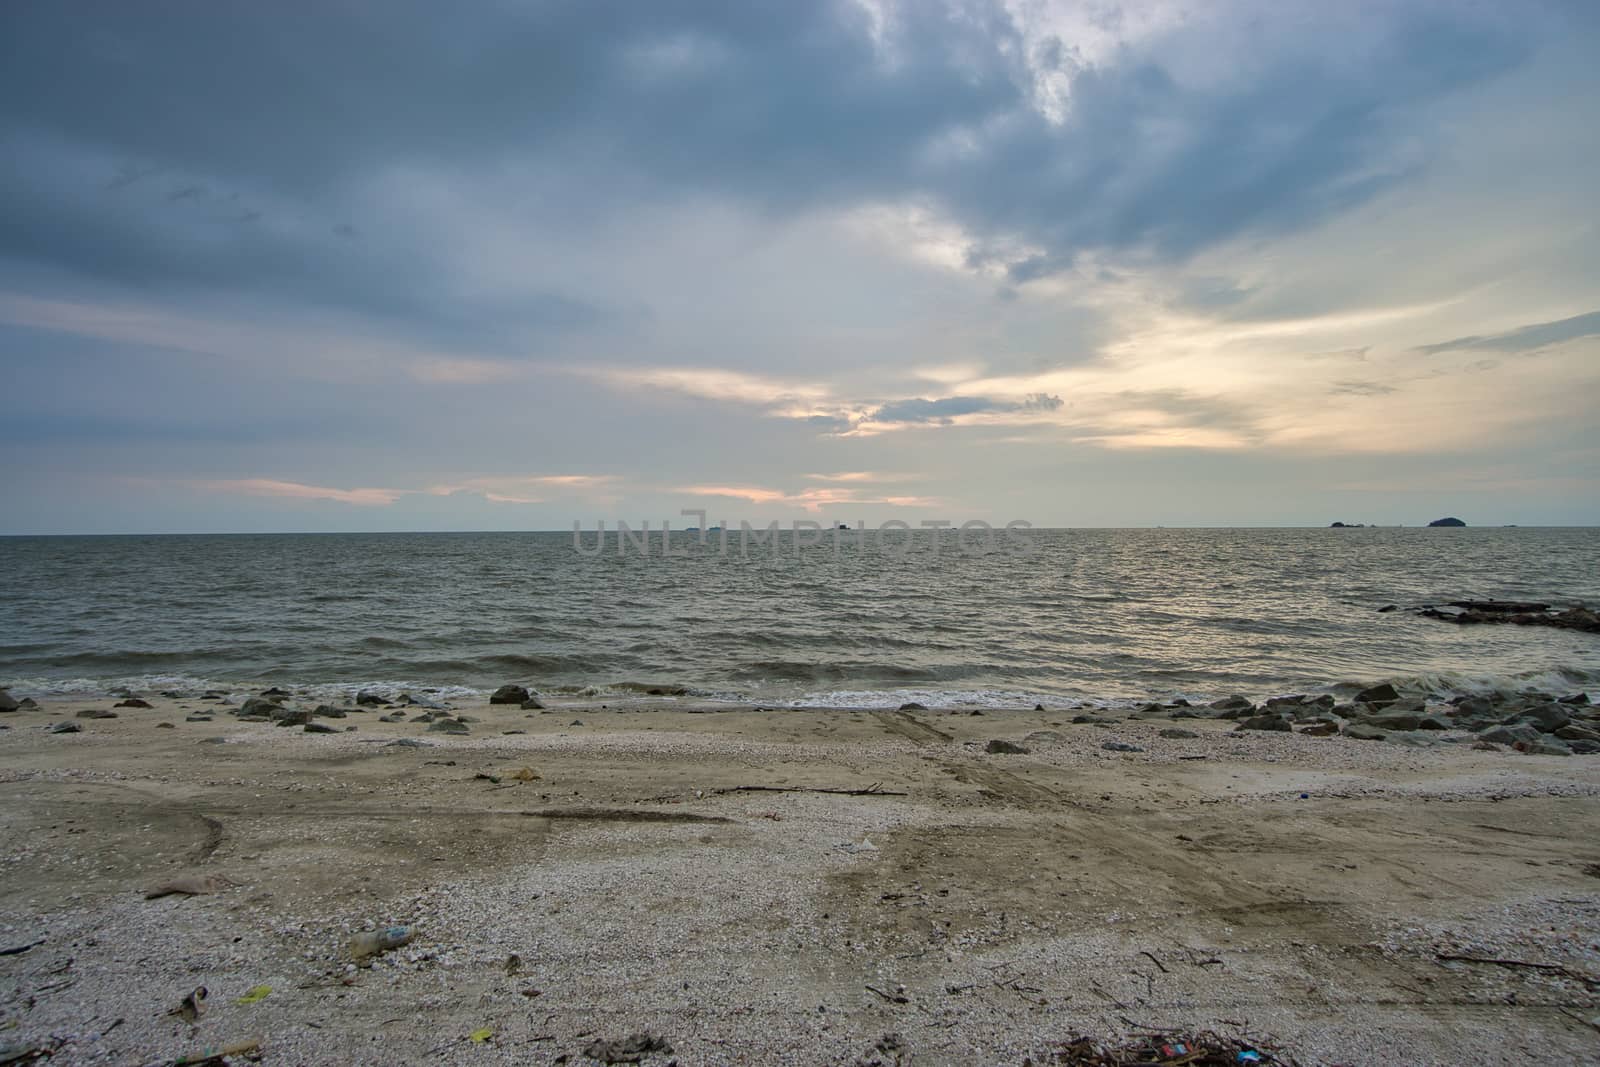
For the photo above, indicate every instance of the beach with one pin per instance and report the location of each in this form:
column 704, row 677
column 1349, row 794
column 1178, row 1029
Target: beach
column 790, row 885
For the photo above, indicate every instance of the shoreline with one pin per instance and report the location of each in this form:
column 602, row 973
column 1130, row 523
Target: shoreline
column 981, row 906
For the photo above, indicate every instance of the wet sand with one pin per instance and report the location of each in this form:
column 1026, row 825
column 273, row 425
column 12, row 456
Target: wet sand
column 982, row 908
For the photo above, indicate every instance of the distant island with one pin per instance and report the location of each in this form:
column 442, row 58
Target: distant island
column 1347, row 526
column 1450, row 521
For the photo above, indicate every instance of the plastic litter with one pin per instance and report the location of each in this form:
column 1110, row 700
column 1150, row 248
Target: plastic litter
column 478, row 1037
column 377, row 942
column 255, row 994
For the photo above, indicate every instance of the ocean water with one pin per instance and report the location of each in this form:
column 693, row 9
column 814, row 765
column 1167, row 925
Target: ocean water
column 860, row 620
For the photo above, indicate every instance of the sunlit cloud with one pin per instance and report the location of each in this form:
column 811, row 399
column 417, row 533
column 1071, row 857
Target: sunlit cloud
column 297, row 491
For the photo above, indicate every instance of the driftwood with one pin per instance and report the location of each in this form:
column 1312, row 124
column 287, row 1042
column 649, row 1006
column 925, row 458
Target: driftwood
column 873, row 790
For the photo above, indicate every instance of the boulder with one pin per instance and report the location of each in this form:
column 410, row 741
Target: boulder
column 1396, row 720
column 274, row 692
column 321, row 728
column 1510, row 735
column 1294, row 701
column 65, row 728
column 1092, row 720
column 1265, row 722
column 8, row 702
column 912, row 705
column 1321, row 729
column 285, row 717
column 1120, row 746
column 1584, row 748
column 328, row 711
column 96, row 713
column 1545, row 746
column 1004, row 748
column 532, row 704
column 1574, row 732
column 1043, row 737
column 1547, row 717
column 135, row 702
column 447, row 726
column 368, row 699
column 259, row 706
column 1579, row 700
column 1361, row 731
column 1380, row 695
column 509, row 694
column 1233, row 703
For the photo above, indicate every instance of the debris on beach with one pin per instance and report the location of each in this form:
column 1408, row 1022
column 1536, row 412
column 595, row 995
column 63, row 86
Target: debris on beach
column 191, row 885
column 377, row 942
column 1205, row 1049
column 629, row 1049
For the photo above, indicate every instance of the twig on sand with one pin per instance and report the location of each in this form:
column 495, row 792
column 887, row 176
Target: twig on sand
column 17, row 950
column 873, row 790
column 1155, row 961
column 1555, row 968
column 892, row 998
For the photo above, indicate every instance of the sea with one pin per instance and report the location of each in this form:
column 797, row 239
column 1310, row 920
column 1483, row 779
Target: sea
column 845, row 618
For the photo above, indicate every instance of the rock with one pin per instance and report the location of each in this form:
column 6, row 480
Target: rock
column 1584, row 748
column 259, row 706
column 426, row 716
column 254, row 718
column 1547, row 717
column 1091, row 720
column 509, row 694
column 328, row 711
column 96, row 713
column 1574, row 732
column 1547, row 746
column 1233, row 703
column 194, row 718
column 1265, row 722
column 135, row 702
column 27, row 704
column 1486, row 746
column 1293, row 701
column 912, row 705
column 1434, row 722
column 8, row 702
column 1004, row 748
column 1510, row 735
column 65, row 728
column 368, row 699
column 1388, row 608
column 628, row 1049
column 321, row 728
column 532, row 704
column 1040, row 707
column 274, row 692
column 392, row 717
column 286, row 717
column 1575, row 700
column 408, row 742
column 1448, row 521
column 1043, row 737
column 1174, row 733
column 1379, row 695
column 1396, row 721
column 165, row 726
column 1361, row 731
column 1120, row 746
column 1321, row 729
column 447, row 726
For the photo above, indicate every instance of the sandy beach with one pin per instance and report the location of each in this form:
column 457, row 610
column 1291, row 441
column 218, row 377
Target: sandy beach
column 583, row 874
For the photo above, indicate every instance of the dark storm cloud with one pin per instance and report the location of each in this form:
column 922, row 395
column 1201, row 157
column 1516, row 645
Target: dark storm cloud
column 225, row 145
column 1525, row 338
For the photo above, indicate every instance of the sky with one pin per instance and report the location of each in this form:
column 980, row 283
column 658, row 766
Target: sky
column 512, row 265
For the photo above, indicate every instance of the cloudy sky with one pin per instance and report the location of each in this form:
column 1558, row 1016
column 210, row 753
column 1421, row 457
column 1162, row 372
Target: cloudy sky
column 508, row 264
